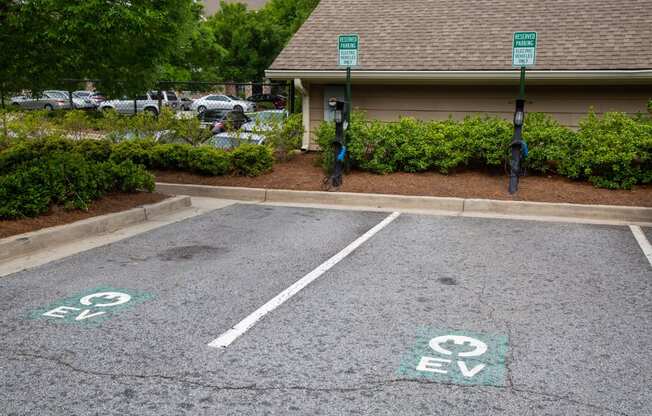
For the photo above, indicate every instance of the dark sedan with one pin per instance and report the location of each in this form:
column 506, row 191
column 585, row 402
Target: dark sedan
column 220, row 120
column 278, row 101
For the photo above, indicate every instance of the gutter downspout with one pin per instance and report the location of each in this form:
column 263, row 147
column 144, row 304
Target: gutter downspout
column 305, row 112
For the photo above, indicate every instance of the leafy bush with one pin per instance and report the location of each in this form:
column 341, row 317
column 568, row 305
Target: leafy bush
column 549, row 142
column 138, row 151
column 614, row 151
column 27, row 150
column 285, row 136
column 96, row 150
column 76, row 122
column 66, row 179
column 129, row 177
column 251, row 159
column 208, row 161
column 169, row 156
column 31, row 125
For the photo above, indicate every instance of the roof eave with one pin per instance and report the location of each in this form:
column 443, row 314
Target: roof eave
column 637, row 76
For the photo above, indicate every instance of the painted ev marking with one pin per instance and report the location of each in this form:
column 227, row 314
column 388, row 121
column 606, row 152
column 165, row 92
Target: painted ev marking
column 479, row 346
column 457, row 357
column 93, row 305
column 120, row 299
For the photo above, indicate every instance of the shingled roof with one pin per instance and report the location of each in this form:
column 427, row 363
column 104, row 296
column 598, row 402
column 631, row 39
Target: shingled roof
column 468, row 35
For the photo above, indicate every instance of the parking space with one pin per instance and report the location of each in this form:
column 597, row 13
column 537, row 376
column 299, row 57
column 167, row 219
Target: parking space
column 430, row 315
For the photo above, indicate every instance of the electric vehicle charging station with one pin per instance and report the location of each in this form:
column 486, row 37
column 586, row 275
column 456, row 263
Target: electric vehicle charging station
column 523, row 55
column 518, row 147
column 347, row 57
column 340, row 110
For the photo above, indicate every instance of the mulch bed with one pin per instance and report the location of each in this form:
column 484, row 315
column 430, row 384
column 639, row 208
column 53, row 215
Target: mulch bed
column 59, row 216
column 304, row 173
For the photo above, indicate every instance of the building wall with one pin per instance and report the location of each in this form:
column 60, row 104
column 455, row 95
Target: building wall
column 567, row 104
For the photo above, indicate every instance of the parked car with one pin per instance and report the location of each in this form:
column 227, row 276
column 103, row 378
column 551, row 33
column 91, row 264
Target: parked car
column 168, row 98
column 126, row 105
column 265, row 120
column 219, row 120
column 78, row 103
column 96, row 97
column 48, row 100
column 252, row 130
column 279, row 101
column 221, row 102
column 230, row 140
column 185, row 104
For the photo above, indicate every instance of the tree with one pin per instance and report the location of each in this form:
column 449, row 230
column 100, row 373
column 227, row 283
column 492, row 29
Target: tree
column 252, row 39
column 120, row 42
column 290, row 14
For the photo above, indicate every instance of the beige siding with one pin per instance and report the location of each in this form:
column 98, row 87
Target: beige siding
column 568, row 104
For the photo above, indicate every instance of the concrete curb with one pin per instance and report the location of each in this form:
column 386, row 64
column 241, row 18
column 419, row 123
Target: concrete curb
column 545, row 209
column 366, row 200
column 424, row 203
column 24, row 244
column 222, row 192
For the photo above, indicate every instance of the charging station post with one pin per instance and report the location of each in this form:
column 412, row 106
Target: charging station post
column 523, row 54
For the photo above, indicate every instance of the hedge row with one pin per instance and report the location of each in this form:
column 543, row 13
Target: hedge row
column 247, row 159
column 66, row 179
column 613, row 151
column 38, row 173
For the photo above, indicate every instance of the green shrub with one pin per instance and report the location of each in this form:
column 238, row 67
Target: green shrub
column 96, row 150
column 169, row 156
column 138, row 151
column 66, row 179
column 129, row 177
column 23, row 194
column 26, row 150
column 324, row 135
column 31, row 125
column 613, row 151
column 75, row 122
column 285, row 136
column 208, row 161
column 549, row 142
column 251, row 159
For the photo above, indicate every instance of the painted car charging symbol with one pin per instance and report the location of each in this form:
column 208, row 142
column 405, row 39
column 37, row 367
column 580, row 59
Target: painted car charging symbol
column 94, row 303
column 479, row 347
column 117, row 298
column 442, row 365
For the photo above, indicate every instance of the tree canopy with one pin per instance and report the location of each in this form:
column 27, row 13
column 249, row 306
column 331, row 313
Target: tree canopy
column 128, row 45
column 238, row 44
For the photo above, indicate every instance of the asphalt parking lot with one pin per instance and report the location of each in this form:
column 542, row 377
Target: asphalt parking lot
column 256, row 310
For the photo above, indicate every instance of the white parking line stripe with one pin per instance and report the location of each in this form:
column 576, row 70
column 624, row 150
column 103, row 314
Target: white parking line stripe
column 232, row 334
column 642, row 241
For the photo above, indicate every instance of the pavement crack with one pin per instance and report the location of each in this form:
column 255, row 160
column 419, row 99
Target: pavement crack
column 373, row 385
column 509, row 357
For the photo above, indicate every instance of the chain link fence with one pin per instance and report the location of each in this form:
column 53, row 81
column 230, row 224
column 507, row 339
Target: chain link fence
column 178, row 96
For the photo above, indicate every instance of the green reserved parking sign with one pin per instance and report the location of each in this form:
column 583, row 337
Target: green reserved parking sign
column 457, row 357
column 347, row 46
column 524, row 49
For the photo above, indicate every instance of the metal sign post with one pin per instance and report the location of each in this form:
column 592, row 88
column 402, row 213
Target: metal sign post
column 524, row 48
column 347, row 46
column 348, row 57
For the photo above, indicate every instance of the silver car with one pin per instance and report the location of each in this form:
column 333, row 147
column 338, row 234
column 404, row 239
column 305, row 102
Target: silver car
column 148, row 102
column 78, row 103
column 94, row 96
column 45, row 101
column 126, row 105
column 221, row 102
